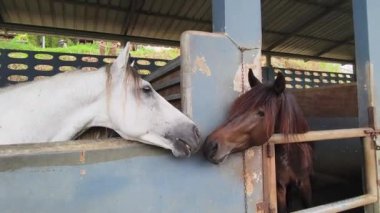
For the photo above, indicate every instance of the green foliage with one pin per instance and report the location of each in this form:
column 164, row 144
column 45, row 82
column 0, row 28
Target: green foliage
column 305, row 65
column 33, row 40
column 25, row 41
column 146, row 52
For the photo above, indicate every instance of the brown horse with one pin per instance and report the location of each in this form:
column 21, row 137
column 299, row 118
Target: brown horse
column 253, row 118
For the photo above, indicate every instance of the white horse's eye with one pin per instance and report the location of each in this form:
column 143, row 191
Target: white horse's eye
column 147, row 89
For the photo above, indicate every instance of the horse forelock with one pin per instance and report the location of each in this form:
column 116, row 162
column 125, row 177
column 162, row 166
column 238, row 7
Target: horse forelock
column 290, row 119
column 258, row 97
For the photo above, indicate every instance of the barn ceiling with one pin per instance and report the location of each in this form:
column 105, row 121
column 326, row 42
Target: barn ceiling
column 314, row 28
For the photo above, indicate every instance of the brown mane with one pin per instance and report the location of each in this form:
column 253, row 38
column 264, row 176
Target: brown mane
column 282, row 114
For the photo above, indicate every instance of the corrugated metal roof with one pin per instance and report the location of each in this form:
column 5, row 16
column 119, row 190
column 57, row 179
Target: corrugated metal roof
column 322, row 28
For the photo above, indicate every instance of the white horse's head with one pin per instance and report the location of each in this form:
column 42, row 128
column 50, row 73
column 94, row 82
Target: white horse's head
column 137, row 112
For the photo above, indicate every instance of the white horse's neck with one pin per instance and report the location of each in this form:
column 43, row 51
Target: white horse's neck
column 55, row 109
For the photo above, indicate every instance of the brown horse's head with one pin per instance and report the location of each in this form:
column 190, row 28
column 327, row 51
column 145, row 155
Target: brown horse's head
column 254, row 117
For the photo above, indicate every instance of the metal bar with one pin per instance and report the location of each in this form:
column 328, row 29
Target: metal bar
column 95, row 5
column 173, row 97
column 176, row 17
column 128, row 16
column 135, row 16
column 338, row 44
column 85, row 34
column 320, row 135
column 167, row 84
column 370, row 166
column 3, row 11
column 53, row 14
column 308, row 57
column 323, row 5
column 169, row 67
column 63, row 147
column 143, row 12
column 342, row 205
column 307, row 37
column 269, row 172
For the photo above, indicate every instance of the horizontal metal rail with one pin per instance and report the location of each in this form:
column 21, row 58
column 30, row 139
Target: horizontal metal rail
column 342, row 205
column 319, row 135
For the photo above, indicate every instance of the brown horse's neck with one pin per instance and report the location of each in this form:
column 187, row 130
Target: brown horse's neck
column 290, row 120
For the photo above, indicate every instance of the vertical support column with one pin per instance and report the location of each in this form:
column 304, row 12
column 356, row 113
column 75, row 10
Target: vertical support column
column 214, row 71
column 367, row 53
column 240, row 19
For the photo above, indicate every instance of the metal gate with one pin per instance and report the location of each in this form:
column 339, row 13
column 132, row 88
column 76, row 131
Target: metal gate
column 366, row 134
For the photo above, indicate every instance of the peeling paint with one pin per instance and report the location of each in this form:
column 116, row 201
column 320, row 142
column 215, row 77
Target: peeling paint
column 201, row 65
column 258, row 177
column 249, row 184
column 250, row 153
column 256, row 68
column 251, row 179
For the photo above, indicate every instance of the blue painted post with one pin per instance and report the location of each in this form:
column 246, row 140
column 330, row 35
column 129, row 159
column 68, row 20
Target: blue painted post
column 367, row 43
column 211, row 78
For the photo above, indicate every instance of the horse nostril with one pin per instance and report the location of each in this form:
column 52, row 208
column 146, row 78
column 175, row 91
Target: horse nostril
column 213, row 146
column 196, row 133
column 210, row 149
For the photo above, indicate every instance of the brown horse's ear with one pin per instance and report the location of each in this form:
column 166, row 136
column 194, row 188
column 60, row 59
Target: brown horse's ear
column 279, row 84
column 253, row 81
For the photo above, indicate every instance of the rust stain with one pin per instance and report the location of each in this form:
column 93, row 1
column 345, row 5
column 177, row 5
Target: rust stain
column 82, row 156
column 201, row 65
column 249, row 184
column 261, row 207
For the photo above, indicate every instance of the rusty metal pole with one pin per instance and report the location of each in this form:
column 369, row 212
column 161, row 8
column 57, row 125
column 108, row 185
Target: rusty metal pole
column 367, row 57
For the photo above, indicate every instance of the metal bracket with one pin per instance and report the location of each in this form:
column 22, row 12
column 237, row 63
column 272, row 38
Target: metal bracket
column 373, row 134
column 270, row 150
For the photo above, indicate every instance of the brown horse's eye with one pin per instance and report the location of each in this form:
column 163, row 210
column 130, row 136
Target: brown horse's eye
column 261, row 113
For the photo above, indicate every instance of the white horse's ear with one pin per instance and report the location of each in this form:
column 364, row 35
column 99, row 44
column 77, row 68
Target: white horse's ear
column 121, row 61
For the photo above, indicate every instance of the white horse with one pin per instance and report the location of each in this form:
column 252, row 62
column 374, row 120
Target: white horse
column 63, row 106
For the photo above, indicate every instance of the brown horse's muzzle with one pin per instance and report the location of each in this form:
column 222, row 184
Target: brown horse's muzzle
column 213, row 152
